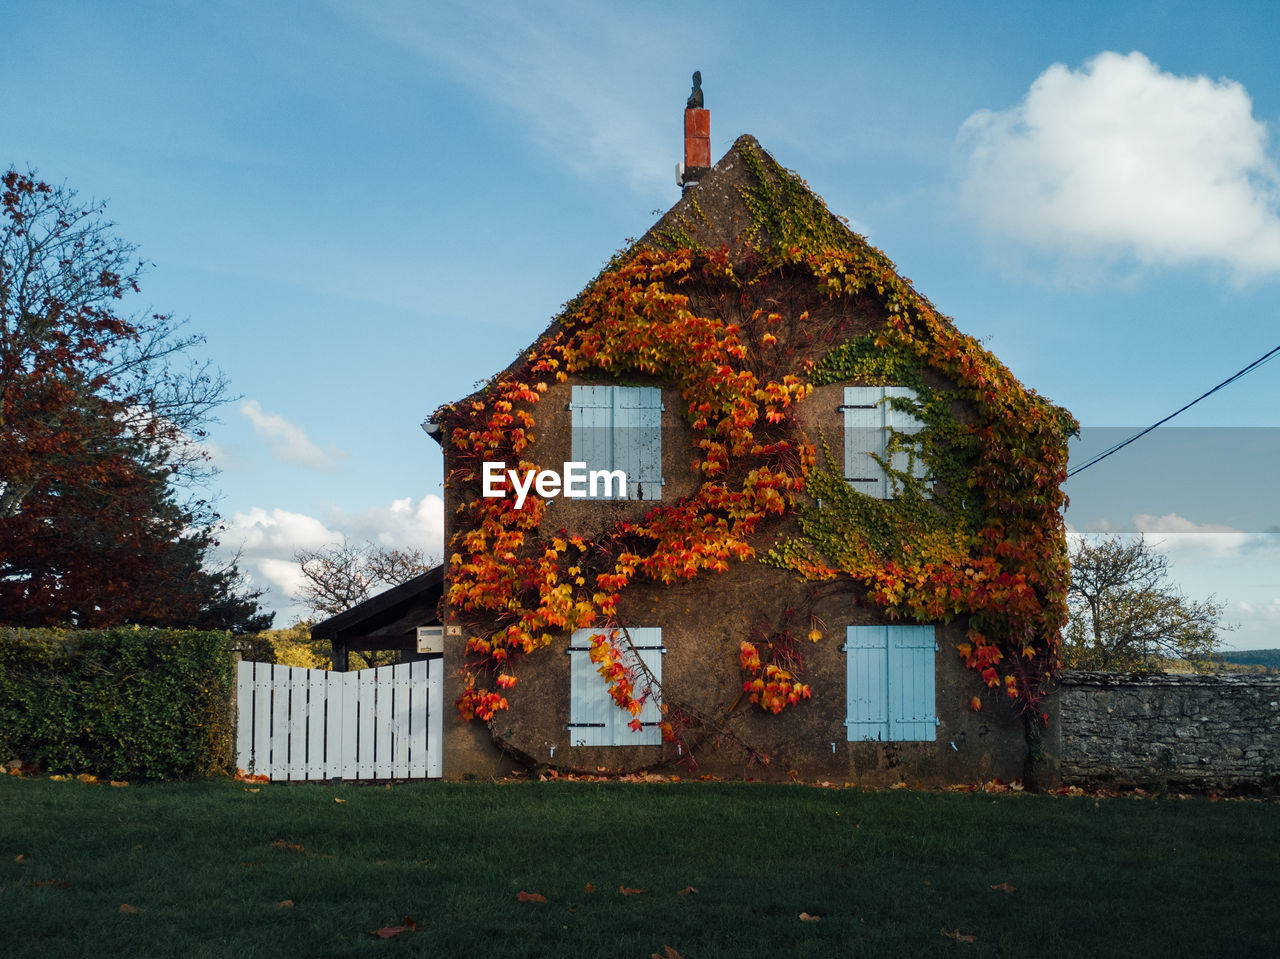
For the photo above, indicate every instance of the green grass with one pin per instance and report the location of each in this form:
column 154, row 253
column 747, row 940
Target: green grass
column 885, row 871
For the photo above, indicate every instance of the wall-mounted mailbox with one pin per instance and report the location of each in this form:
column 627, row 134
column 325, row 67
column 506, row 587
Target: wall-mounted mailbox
column 431, row 639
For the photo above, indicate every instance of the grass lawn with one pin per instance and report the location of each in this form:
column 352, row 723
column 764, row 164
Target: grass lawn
column 208, row 865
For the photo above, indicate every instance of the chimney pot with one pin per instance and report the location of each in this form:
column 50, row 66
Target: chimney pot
column 697, row 136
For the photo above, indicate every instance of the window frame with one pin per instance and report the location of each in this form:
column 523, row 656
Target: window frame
column 891, row 683
column 870, row 419
column 619, row 428
column 594, row 718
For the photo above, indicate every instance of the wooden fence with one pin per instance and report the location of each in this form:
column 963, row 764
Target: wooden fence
column 313, row 724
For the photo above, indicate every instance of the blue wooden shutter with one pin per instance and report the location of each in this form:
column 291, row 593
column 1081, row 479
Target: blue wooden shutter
column 589, row 704
column 647, row 643
column 906, row 459
column 592, row 421
column 867, row 688
column 637, row 442
column 864, row 439
column 912, row 708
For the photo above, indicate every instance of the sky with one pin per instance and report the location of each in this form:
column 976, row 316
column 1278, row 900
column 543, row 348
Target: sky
column 367, row 207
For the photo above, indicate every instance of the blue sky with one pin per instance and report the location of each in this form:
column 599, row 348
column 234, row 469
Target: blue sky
column 369, row 206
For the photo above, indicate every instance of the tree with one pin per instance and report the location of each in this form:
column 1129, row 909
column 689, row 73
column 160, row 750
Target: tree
column 1126, row 615
column 339, row 576
column 101, row 414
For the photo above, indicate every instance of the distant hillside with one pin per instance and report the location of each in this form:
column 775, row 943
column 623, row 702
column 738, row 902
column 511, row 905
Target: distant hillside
column 1268, row 658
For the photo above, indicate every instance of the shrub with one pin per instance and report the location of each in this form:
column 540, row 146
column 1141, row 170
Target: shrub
column 123, row 703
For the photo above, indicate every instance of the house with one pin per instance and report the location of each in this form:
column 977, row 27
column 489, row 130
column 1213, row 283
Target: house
column 752, row 506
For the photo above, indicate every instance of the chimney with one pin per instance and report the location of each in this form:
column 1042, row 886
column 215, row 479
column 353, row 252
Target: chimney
column 697, row 137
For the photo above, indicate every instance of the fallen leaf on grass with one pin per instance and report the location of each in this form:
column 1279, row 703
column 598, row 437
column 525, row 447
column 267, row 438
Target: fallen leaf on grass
column 958, row 936
column 58, row 779
column 1005, row 887
column 248, row 790
column 337, row 800
column 386, row 932
column 671, row 954
column 588, row 888
column 282, row 845
column 50, row 884
column 805, row 917
column 119, row 783
column 285, row 904
column 129, row 910
column 628, row 891
column 87, row 778
column 687, row 891
column 523, row 896
column 18, row 857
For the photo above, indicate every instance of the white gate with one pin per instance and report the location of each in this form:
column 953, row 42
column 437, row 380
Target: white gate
column 382, row 723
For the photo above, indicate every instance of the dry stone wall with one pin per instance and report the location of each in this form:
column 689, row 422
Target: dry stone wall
column 1203, row 731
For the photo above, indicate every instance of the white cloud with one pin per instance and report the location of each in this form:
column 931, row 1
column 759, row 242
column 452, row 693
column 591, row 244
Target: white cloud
column 1175, row 534
column 267, row 539
column 289, row 442
column 405, row 524
column 569, row 73
column 261, row 533
column 1120, row 159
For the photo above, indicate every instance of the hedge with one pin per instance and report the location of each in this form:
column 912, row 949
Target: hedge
column 121, row 703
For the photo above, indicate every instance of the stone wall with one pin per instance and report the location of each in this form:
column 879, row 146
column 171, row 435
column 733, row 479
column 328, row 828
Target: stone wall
column 1201, row 731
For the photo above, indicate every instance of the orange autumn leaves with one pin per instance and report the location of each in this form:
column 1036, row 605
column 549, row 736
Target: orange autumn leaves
column 776, row 689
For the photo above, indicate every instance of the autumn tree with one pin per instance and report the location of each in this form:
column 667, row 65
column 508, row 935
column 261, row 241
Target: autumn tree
column 101, row 413
column 340, row 575
column 1125, row 614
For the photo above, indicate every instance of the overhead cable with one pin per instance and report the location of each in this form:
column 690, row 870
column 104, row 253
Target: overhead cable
column 1141, row 433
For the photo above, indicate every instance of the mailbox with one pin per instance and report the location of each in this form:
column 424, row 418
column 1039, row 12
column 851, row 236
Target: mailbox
column 431, row 639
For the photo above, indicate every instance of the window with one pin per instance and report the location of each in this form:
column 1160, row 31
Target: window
column 869, row 420
column 620, row 428
column 594, row 718
column 890, row 694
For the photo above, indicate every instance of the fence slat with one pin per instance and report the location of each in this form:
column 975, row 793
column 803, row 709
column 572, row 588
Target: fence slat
column 435, row 717
column 350, row 725
column 418, row 705
column 317, row 697
column 295, row 758
column 262, row 719
column 384, row 717
column 244, row 715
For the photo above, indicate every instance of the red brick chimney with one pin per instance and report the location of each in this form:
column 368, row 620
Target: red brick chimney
column 697, row 137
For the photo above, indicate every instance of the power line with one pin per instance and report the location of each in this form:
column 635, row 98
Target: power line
column 1141, row 433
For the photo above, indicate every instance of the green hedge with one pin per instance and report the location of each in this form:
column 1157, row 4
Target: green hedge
column 123, row 703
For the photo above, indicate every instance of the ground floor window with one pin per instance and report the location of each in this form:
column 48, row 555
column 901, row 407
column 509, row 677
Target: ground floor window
column 890, row 691
column 594, row 718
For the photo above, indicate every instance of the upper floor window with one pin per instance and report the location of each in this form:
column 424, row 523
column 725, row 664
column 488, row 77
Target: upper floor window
column 869, row 420
column 620, row 428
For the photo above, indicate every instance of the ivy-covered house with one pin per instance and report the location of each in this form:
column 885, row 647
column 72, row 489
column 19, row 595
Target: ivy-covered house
column 752, row 506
